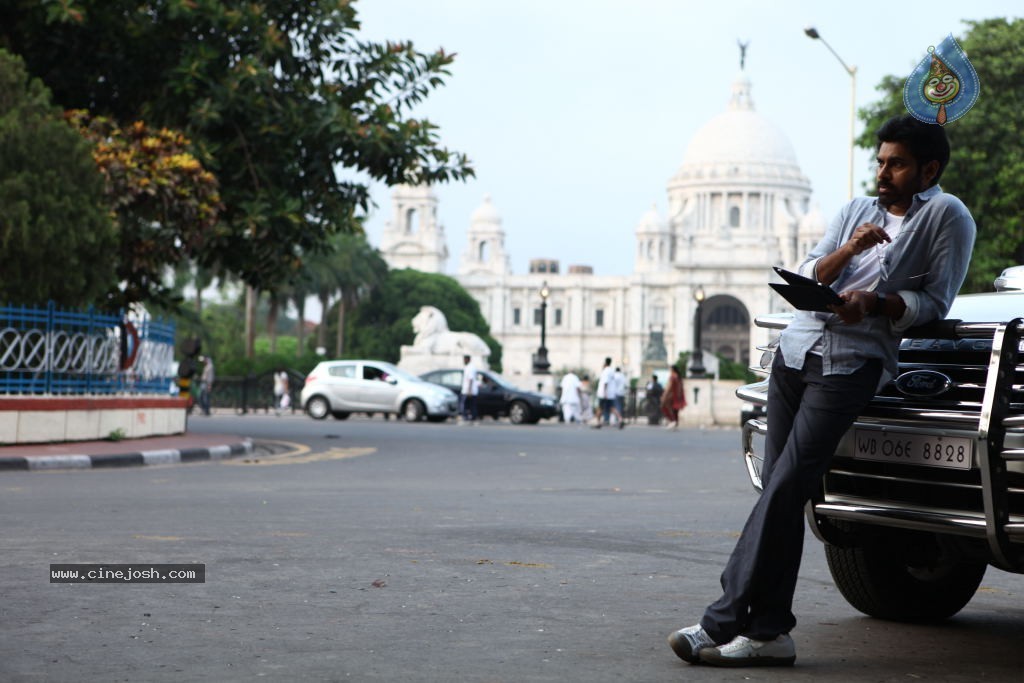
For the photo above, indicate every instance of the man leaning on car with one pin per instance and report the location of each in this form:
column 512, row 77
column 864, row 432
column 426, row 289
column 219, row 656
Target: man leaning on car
column 897, row 260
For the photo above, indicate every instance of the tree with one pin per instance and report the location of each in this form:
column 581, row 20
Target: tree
column 379, row 327
column 359, row 269
column 986, row 168
column 57, row 240
column 164, row 202
column 278, row 96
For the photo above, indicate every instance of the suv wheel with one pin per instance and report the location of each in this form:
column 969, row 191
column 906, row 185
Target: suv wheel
column 519, row 413
column 903, row 575
column 413, row 410
column 318, row 407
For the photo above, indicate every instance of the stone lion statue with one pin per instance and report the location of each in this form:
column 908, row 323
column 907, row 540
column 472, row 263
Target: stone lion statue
column 434, row 337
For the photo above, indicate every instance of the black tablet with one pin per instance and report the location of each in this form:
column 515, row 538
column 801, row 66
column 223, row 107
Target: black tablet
column 804, row 293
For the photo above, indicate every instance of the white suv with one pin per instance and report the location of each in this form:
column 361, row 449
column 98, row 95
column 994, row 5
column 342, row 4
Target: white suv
column 342, row 387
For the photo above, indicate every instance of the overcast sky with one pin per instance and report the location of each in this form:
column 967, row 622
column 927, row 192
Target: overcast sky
column 576, row 114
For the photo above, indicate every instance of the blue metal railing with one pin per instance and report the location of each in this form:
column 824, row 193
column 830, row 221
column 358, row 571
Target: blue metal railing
column 67, row 352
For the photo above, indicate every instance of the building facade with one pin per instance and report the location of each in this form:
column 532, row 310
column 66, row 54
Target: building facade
column 738, row 205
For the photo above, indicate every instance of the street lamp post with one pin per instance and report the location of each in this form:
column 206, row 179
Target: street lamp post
column 697, row 365
column 541, row 366
column 852, row 71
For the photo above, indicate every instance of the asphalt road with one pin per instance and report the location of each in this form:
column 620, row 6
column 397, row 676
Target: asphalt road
column 387, row 551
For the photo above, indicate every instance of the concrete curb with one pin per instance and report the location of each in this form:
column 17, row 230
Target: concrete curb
column 130, row 459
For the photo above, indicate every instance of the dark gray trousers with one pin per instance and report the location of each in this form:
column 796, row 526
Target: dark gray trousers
column 808, row 413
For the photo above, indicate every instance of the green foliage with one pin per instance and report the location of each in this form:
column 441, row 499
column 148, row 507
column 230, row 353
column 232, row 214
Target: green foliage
column 57, row 241
column 350, row 269
column 222, row 335
column 379, row 327
column 163, row 200
column 729, row 369
column 292, row 112
column 986, row 168
column 265, row 362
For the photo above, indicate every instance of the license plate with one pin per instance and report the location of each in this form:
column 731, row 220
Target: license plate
column 952, row 452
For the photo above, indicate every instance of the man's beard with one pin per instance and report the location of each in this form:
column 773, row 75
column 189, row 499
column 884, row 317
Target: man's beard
column 893, row 199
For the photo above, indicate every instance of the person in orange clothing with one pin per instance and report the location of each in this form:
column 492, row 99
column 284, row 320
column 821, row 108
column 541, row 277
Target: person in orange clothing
column 674, row 399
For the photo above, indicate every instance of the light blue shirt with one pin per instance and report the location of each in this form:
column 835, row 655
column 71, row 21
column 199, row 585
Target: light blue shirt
column 926, row 265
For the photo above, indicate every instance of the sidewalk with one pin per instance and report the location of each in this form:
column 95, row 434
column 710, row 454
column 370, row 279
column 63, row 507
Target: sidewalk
column 160, row 450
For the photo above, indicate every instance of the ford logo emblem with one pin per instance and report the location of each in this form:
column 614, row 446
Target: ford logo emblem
column 923, row 383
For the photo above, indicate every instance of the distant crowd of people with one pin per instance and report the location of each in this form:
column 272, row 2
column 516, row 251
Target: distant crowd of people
column 577, row 398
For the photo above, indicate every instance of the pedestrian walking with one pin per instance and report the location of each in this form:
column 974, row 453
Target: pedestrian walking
column 605, row 398
column 586, row 400
column 618, row 391
column 206, row 380
column 674, row 398
column 897, row 260
column 652, row 400
column 470, row 389
column 282, row 394
column 571, row 400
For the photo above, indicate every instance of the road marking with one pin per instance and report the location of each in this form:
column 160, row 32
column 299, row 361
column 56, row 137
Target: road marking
column 301, row 455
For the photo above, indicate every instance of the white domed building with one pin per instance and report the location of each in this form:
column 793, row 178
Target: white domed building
column 738, row 205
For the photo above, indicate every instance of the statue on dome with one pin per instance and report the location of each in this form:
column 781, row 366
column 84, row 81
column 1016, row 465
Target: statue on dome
column 435, row 347
column 743, row 53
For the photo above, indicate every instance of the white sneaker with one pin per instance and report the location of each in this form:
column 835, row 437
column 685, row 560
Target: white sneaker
column 688, row 642
column 743, row 651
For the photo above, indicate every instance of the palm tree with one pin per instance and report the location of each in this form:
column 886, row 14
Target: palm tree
column 350, row 269
column 360, row 269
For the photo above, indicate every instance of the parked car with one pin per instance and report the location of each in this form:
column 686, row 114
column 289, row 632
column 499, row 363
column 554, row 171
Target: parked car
column 342, row 387
column 499, row 397
column 926, row 489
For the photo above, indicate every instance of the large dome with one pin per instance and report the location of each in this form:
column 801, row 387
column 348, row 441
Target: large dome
column 739, row 141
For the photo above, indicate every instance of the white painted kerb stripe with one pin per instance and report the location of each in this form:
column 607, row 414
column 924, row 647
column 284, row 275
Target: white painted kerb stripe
column 59, row 462
column 166, row 457
column 220, row 452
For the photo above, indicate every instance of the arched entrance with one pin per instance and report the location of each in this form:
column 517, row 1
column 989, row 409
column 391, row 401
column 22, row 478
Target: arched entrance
column 725, row 328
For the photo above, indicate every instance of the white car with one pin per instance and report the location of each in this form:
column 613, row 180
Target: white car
column 343, row 387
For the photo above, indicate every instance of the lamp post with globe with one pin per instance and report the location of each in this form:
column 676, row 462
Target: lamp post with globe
column 697, row 364
column 541, row 365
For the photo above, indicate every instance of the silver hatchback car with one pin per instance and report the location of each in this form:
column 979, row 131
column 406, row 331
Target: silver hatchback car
column 343, row 387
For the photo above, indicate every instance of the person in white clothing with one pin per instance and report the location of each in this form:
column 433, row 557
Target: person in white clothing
column 618, row 395
column 571, row 399
column 606, row 395
column 470, row 388
column 282, row 399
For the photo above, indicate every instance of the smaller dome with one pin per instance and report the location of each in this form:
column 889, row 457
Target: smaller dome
column 650, row 221
column 485, row 213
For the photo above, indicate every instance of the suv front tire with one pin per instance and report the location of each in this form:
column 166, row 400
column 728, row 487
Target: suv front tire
column 903, row 575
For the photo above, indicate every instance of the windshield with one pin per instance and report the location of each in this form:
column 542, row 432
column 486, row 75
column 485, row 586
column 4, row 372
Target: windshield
column 502, row 381
column 396, row 372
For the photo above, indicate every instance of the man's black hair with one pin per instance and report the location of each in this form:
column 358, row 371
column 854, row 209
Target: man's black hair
column 926, row 141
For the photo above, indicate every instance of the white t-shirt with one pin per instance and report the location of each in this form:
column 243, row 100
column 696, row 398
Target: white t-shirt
column 470, row 380
column 618, row 387
column 603, row 384
column 869, row 270
column 570, row 389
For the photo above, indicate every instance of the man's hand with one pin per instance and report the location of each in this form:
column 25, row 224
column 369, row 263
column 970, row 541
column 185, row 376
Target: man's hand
column 865, row 237
column 858, row 304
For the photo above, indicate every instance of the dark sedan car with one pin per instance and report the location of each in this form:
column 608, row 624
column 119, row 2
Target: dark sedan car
column 499, row 397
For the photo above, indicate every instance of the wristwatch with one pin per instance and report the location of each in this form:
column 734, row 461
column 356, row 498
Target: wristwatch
column 879, row 308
